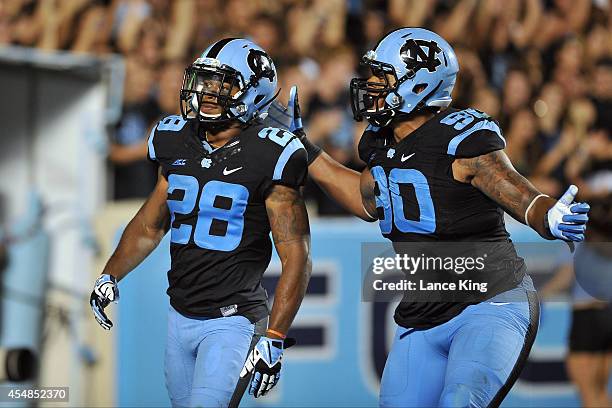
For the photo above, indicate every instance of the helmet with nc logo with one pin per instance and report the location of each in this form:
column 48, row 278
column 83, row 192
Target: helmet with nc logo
column 233, row 79
column 414, row 68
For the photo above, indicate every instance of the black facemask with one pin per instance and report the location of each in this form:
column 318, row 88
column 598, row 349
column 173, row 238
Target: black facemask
column 368, row 98
column 204, row 84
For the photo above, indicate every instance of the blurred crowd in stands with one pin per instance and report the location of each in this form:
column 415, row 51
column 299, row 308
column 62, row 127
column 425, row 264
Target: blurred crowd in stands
column 543, row 68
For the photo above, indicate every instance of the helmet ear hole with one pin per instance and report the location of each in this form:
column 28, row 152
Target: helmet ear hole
column 418, row 88
column 258, row 99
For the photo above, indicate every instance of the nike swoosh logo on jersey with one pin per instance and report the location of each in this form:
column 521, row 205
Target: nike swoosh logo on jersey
column 499, row 303
column 227, row 172
column 404, row 158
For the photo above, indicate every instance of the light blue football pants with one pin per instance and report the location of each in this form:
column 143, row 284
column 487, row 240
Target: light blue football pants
column 204, row 358
column 470, row 361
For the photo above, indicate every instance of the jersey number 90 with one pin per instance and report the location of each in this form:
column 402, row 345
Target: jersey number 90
column 391, row 201
column 232, row 214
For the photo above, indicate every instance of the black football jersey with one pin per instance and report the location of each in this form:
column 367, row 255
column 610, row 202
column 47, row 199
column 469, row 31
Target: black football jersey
column 418, row 200
column 220, row 233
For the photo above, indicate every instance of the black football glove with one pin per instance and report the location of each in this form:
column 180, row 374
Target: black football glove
column 264, row 362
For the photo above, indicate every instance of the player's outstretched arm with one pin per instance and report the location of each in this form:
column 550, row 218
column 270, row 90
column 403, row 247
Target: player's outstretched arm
column 339, row 182
column 139, row 239
column 353, row 190
column 291, row 233
column 494, row 175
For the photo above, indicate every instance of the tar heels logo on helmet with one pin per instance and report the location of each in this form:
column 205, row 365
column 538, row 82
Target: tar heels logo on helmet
column 411, row 69
column 261, row 64
column 419, row 54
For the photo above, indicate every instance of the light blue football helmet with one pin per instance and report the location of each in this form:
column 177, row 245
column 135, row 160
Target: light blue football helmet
column 424, row 67
column 237, row 74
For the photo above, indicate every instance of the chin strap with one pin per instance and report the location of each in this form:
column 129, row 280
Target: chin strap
column 383, row 119
column 213, row 127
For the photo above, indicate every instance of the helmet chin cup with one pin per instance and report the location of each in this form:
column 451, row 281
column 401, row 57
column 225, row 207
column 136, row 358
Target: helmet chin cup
column 381, row 119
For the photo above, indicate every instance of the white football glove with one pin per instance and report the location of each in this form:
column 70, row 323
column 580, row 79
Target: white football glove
column 567, row 220
column 105, row 291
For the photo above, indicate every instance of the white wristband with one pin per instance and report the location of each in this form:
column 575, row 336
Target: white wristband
column 367, row 212
column 531, row 205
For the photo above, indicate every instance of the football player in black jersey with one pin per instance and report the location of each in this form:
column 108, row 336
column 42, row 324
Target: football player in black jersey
column 438, row 175
column 225, row 182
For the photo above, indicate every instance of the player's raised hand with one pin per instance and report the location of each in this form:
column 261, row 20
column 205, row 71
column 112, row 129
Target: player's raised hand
column 296, row 127
column 567, row 219
column 105, row 291
column 264, row 362
column 293, row 109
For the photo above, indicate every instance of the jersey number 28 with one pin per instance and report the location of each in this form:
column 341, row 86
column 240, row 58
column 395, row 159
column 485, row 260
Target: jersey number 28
column 219, row 201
